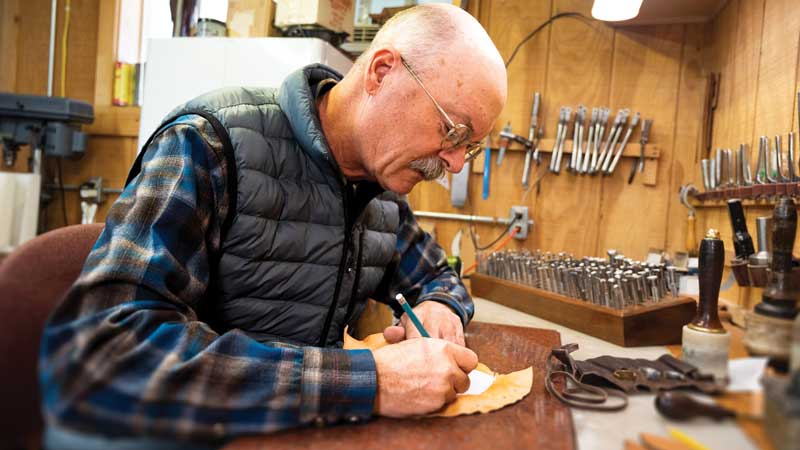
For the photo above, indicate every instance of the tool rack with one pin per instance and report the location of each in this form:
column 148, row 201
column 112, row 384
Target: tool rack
column 640, row 325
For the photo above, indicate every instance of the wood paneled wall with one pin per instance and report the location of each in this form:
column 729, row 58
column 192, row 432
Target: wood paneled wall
column 24, row 40
column 754, row 45
column 657, row 70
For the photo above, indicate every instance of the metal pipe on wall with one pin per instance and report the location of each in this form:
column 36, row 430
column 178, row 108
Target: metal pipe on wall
column 51, row 56
column 465, row 217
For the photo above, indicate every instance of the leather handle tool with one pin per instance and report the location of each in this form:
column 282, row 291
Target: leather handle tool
column 704, row 342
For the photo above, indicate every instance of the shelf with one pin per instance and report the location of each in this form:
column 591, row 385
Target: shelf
column 632, row 149
column 755, row 195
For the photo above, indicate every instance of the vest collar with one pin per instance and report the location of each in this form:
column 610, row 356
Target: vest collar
column 297, row 100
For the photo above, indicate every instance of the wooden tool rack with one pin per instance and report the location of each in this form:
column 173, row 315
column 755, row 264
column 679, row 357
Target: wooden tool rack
column 640, row 325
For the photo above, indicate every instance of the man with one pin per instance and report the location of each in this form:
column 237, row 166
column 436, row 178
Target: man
column 255, row 225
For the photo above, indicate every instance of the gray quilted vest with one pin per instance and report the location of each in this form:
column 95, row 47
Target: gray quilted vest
column 292, row 267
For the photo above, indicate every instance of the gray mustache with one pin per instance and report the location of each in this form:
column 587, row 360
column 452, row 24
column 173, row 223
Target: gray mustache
column 431, row 168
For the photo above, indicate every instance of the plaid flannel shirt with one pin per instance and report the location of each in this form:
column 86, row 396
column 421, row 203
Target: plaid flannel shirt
column 126, row 354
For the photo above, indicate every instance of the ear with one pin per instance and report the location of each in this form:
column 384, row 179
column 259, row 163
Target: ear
column 381, row 63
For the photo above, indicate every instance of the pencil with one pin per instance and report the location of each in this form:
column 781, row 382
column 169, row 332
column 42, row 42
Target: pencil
column 404, row 304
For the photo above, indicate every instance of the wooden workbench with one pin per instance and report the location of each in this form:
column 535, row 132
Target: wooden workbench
column 538, row 421
column 601, row 431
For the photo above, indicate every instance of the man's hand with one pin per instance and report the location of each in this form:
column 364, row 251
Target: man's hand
column 439, row 321
column 419, row 376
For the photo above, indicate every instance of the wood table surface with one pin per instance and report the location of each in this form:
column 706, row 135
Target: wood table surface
column 746, row 402
column 537, row 422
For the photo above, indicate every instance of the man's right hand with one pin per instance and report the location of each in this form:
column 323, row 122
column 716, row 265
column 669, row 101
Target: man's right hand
column 419, row 376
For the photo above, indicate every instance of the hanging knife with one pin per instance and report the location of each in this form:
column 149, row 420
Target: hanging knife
column 642, row 141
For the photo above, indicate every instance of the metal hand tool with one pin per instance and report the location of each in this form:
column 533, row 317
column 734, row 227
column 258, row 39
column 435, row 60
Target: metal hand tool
column 602, row 121
column 778, row 160
column 691, row 239
column 718, row 168
column 501, row 151
column 590, row 141
column 743, row 174
column 608, row 149
column 790, row 159
column 771, row 163
column 577, row 139
column 761, row 165
column 529, row 152
column 705, row 167
column 559, row 128
column 731, row 171
column 631, row 127
column 566, row 113
column 642, row 141
column 742, row 242
column 618, row 282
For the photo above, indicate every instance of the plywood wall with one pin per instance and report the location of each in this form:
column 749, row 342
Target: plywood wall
column 657, row 70
column 24, row 41
column 754, row 45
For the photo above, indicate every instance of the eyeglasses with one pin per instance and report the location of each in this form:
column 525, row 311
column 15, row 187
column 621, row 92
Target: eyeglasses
column 457, row 135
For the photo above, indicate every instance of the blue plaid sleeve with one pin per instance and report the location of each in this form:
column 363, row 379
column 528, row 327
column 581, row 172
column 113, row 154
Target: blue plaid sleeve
column 422, row 272
column 125, row 353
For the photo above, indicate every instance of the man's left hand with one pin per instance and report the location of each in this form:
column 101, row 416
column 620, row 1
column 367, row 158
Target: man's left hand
column 438, row 320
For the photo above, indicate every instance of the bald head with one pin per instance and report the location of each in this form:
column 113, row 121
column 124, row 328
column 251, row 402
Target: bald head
column 396, row 130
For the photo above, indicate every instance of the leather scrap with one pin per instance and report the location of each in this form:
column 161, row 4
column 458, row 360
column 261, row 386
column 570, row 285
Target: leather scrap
column 507, row 389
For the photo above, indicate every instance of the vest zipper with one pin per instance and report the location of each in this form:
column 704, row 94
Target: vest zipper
column 357, row 277
column 347, row 231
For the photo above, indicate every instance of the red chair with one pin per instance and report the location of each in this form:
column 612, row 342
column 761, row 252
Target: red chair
column 33, row 279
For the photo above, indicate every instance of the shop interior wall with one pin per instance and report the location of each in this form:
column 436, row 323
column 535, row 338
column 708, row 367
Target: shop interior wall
column 657, row 70
column 753, row 44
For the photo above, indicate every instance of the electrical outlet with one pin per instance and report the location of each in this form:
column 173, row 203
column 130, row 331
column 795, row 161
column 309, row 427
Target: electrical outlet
column 521, row 222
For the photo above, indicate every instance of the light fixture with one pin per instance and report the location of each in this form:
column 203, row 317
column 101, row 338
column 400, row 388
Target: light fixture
column 615, row 10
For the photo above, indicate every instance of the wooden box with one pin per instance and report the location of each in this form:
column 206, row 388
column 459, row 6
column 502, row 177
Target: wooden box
column 651, row 324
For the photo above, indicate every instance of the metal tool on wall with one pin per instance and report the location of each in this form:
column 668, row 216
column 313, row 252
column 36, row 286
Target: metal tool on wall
column 534, row 136
column 742, row 242
column 621, row 148
column 691, row 239
column 639, row 165
column 758, row 262
column 616, row 282
column 577, row 140
column 561, row 134
column 613, row 138
column 504, row 137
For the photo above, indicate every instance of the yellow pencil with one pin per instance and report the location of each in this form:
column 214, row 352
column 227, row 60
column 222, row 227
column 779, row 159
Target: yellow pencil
column 684, row 439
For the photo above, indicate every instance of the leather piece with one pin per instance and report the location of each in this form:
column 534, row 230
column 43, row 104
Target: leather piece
column 600, row 371
column 537, row 422
column 506, row 389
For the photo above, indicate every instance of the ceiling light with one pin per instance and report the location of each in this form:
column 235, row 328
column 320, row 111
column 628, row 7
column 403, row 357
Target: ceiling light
column 615, row 10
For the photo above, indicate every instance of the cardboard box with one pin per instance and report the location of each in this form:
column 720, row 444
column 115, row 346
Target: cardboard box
column 335, row 15
column 251, row 18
